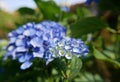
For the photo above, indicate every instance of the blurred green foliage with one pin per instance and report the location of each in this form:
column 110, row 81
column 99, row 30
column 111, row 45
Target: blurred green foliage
column 103, row 61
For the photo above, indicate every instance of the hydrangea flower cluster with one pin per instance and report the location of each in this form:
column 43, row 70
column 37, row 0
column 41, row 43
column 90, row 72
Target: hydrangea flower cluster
column 45, row 40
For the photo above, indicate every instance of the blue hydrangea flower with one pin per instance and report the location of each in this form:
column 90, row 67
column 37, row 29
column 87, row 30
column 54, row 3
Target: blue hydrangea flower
column 45, row 40
column 32, row 40
column 67, row 47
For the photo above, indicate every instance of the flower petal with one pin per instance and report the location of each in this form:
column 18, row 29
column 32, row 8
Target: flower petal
column 25, row 65
column 22, row 59
column 68, row 55
column 40, row 55
column 76, row 50
column 21, row 49
column 29, row 32
column 36, row 42
column 49, row 60
column 19, row 42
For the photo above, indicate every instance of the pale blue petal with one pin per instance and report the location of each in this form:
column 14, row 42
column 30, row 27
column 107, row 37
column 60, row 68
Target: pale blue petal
column 21, row 49
column 22, row 59
column 67, row 47
column 36, row 42
column 20, row 30
column 39, row 33
column 12, row 39
column 19, row 42
column 29, row 32
column 10, row 48
column 76, row 50
column 65, row 8
column 49, row 60
column 29, row 25
column 25, row 65
column 38, row 54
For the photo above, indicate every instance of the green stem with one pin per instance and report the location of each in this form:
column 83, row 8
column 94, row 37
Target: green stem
column 64, row 76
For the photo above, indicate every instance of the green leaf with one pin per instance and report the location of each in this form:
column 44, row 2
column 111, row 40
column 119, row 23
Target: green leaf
column 3, row 44
column 99, row 55
column 75, row 67
column 59, row 64
column 88, row 77
column 103, row 57
column 87, row 25
column 49, row 9
column 109, row 54
column 83, row 12
column 26, row 11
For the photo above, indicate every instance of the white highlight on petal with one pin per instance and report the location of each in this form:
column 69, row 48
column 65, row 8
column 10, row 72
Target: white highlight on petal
column 61, row 52
column 10, row 48
column 76, row 50
column 48, row 61
column 67, row 47
column 19, row 42
column 29, row 32
column 25, row 65
column 37, row 54
column 68, row 55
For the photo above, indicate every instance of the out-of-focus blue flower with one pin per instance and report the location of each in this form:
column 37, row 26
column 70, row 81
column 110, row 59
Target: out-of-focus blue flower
column 45, row 40
column 68, row 3
column 90, row 1
column 65, row 8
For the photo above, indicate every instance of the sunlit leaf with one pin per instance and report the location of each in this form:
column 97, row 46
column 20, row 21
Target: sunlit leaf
column 103, row 57
column 49, row 9
column 109, row 54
